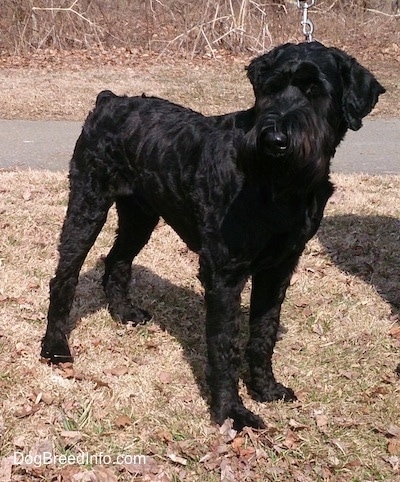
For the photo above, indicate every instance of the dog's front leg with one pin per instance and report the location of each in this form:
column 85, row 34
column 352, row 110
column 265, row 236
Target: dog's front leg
column 222, row 296
column 268, row 292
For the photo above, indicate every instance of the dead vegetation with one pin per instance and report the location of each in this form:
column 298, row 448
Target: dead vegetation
column 139, row 391
column 190, row 27
column 53, row 85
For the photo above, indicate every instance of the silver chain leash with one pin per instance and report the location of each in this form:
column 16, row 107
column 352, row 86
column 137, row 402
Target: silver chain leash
column 308, row 26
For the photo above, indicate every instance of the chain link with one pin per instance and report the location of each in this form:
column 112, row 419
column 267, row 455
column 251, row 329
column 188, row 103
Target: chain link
column 308, row 26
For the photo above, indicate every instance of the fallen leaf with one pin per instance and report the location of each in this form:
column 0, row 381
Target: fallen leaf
column 211, row 461
column 26, row 195
column 68, row 472
column 117, row 371
column 247, row 452
column 189, row 449
column 66, row 370
column 252, row 435
column 164, row 435
column 353, row 463
column 395, row 332
column 2, row 426
column 318, row 329
column 47, row 399
column 141, row 468
column 27, row 411
column 394, row 461
column 151, row 345
column 72, row 435
column 394, row 431
column 340, row 445
column 227, row 430
column 326, row 473
column 41, row 450
column 19, row 441
column 394, row 447
column 291, row 440
column 178, row 460
column 294, row 279
column 237, row 443
column 103, row 474
column 6, row 469
column 296, row 425
column 336, row 197
column 122, row 421
column 347, row 374
column 346, row 422
column 165, row 377
column 227, row 473
column 21, row 348
column 321, row 420
column 222, row 449
column 100, row 383
column 378, row 391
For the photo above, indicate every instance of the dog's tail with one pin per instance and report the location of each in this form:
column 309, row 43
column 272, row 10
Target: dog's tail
column 104, row 96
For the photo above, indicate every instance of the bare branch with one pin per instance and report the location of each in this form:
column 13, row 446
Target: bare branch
column 66, row 9
column 391, row 15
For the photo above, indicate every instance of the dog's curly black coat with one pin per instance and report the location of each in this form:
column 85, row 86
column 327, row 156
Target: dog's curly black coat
column 245, row 190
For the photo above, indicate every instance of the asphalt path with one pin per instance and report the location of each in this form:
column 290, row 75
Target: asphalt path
column 374, row 149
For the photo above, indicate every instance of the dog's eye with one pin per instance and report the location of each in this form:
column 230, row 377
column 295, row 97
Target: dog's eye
column 275, row 85
column 271, row 88
column 310, row 89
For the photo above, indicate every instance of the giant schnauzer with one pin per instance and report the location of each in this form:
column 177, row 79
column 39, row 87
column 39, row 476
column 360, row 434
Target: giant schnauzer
column 245, row 191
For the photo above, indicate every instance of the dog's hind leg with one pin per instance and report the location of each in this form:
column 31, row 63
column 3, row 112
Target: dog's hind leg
column 268, row 291
column 135, row 225
column 86, row 215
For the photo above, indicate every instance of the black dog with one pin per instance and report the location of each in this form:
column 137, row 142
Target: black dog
column 245, row 190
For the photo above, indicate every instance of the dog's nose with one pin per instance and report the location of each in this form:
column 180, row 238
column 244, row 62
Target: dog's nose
column 277, row 140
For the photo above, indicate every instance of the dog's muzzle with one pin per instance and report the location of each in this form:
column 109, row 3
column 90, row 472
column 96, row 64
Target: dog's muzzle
column 275, row 141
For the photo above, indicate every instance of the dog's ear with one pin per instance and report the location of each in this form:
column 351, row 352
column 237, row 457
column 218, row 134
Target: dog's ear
column 257, row 70
column 260, row 68
column 361, row 90
column 103, row 96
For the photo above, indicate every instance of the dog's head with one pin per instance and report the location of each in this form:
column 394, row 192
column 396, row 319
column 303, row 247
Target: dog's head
column 307, row 96
column 313, row 68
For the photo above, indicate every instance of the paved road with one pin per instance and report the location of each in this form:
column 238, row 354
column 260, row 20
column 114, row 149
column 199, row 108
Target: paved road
column 49, row 144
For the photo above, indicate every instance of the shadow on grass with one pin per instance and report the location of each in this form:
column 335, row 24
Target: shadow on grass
column 176, row 310
column 367, row 247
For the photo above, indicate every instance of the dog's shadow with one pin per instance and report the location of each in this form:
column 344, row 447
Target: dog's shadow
column 176, row 310
column 367, row 247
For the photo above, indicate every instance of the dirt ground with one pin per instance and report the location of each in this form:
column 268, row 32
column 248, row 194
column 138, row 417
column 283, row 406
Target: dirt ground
column 63, row 85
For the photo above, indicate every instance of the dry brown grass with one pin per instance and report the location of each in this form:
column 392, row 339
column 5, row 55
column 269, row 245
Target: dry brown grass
column 54, row 86
column 67, row 91
column 136, row 391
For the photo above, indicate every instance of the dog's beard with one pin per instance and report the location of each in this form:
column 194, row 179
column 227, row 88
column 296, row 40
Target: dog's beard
column 287, row 147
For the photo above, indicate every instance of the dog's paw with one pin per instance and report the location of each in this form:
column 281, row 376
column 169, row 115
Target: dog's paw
column 241, row 417
column 56, row 350
column 129, row 314
column 275, row 391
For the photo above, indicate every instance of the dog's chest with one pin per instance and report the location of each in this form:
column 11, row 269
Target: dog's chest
column 265, row 231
